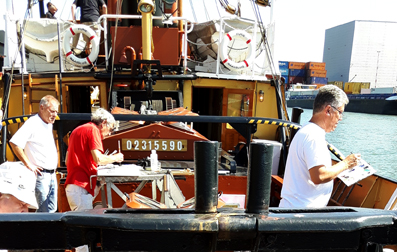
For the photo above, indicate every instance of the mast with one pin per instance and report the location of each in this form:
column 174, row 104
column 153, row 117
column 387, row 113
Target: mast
column 41, row 7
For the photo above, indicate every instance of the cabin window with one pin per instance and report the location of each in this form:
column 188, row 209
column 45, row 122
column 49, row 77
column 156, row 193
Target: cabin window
column 237, row 105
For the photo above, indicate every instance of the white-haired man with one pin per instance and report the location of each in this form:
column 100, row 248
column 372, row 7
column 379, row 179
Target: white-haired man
column 85, row 153
column 309, row 173
column 34, row 145
column 17, row 188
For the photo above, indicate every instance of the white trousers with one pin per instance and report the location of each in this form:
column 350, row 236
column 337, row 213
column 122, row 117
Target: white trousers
column 79, row 200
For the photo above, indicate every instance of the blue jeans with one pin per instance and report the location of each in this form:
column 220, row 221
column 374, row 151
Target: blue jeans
column 46, row 192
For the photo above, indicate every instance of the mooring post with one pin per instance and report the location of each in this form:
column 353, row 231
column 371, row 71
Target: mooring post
column 259, row 178
column 206, row 176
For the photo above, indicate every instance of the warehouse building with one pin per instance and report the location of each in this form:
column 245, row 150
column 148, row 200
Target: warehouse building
column 362, row 51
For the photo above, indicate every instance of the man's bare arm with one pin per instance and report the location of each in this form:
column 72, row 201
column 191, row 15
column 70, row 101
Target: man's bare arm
column 321, row 174
column 102, row 159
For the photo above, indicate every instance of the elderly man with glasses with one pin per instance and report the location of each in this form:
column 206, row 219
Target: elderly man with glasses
column 34, row 145
column 85, row 153
column 309, row 173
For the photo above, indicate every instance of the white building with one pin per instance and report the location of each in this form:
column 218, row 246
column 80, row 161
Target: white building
column 362, row 51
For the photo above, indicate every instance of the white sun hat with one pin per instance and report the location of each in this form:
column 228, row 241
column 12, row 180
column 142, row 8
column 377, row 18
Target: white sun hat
column 19, row 181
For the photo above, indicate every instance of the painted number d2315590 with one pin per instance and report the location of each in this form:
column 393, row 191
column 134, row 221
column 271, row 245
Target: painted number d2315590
column 153, row 144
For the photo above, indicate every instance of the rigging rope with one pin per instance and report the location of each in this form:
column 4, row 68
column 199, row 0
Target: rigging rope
column 268, row 51
column 194, row 13
column 217, row 8
column 26, row 17
column 206, row 12
column 113, row 49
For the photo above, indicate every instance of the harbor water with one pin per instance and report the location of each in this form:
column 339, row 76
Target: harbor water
column 373, row 136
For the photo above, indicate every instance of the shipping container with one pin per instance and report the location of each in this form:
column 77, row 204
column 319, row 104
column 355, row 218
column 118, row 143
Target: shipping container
column 317, row 80
column 356, row 88
column 297, row 72
column 316, row 73
column 295, row 79
column 348, row 87
column 296, row 65
column 366, row 85
column 315, row 65
column 284, row 71
column 365, row 91
column 339, row 84
column 283, row 65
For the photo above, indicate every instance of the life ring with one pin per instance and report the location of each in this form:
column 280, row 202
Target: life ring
column 76, row 29
column 236, row 66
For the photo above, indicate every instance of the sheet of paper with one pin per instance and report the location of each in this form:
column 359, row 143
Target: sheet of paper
column 120, row 170
column 357, row 173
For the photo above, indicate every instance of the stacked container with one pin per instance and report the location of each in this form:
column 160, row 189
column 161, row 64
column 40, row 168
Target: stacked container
column 339, row 84
column 316, row 73
column 283, row 66
column 304, row 72
column 297, row 72
column 356, row 87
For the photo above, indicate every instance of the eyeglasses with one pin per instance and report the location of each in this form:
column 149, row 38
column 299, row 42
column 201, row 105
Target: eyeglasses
column 340, row 112
column 111, row 128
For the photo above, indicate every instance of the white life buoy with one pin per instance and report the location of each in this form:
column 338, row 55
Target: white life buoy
column 76, row 29
column 236, row 66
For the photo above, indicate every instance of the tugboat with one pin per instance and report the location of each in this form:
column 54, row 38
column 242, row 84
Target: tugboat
column 206, row 98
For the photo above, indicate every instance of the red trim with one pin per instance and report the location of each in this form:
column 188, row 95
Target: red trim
column 225, row 61
column 92, row 37
column 248, row 41
column 69, row 53
column 71, row 30
column 89, row 61
column 246, row 63
column 121, row 85
column 230, row 38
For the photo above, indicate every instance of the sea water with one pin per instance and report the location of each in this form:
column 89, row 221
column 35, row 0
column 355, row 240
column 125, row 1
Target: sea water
column 373, row 136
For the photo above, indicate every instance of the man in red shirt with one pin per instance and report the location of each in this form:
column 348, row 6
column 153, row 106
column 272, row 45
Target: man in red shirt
column 85, row 153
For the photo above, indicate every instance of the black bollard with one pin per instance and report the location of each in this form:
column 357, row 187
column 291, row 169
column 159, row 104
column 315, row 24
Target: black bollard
column 206, row 176
column 259, row 178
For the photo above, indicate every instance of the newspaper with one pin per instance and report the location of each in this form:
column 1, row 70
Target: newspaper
column 357, row 173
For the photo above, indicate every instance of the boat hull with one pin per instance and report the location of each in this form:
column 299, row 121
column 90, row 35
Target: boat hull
column 356, row 104
column 344, row 229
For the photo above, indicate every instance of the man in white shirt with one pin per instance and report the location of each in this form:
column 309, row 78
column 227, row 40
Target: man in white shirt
column 34, row 145
column 309, row 173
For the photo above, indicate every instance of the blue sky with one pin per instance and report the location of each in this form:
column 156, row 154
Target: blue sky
column 300, row 24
